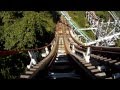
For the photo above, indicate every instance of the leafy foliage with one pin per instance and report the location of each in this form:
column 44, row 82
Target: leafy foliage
column 23, row 30
column 78, row 17
column 13, row 65
column 118, row 43
column 26, row 29
column 117, row 13
column 103, row 14
column 81, row 21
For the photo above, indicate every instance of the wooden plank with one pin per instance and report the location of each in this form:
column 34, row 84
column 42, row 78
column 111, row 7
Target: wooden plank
column 83, row 62
column 95, row 70
column 113, row 61
column 91, row 67
column 33, row 69
column 103, row 58
column 108, row 59
column 117, row 63
column 24, row 76
column 36, row 66
column 28, row 72
column 109, row 78
column 100, row 74
column 88, row 64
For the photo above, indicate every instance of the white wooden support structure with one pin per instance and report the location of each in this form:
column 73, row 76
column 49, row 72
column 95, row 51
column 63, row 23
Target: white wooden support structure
column 73, row 48
column 101, row 68
column 33, row 59
column 46, row 52
column 52, row 46
column 87, row 55
column 106, row 32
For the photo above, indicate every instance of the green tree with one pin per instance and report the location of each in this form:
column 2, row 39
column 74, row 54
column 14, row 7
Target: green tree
column 23, row 30
column 30, row 29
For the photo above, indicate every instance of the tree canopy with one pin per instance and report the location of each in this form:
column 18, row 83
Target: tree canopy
column 26, row 29
column 23, row 30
